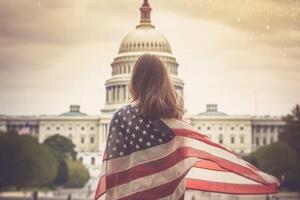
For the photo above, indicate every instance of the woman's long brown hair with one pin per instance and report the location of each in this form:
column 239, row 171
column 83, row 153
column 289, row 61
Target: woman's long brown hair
column 151, row 89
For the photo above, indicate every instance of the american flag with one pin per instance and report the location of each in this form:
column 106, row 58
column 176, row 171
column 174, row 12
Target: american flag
column 147, row 159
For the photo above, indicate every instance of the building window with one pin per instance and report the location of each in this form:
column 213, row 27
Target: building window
column 241, row 128
column 81, row 159
column 92, row 128
column 93, row 161
column 232, row 128
column 257, row 129
column 57, row 128
column 220, row 128
column 92, row 140
column 82, row 128
column 272, row 128
column 242, row 139
column 48, row 128
column 220, row 139
column 257, row 141
column 208, row 128
column 265, row 128
column 199, row 127
column 70, row 128
column 82, row 140
column 264, row 141
column 232, row 139
column 271, row 140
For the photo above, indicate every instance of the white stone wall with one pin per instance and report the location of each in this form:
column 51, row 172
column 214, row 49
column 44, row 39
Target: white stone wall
column 82, row 131
column 234, row 133
column 92, row 161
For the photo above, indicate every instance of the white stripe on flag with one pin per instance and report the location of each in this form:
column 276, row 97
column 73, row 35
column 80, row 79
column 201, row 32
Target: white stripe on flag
column 218, row 176
column 151, row 181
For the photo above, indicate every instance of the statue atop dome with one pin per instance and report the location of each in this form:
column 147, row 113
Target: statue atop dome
column 145, row 15
column 146, row 3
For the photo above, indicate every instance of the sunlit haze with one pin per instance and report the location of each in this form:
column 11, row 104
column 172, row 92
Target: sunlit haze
column 243, row 55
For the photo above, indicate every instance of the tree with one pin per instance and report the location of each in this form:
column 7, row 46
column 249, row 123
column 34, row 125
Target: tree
column 77, row 173
column 64, row 149
column 62, row 146
column 279, row 159
column 25, row 162
column 291, row 130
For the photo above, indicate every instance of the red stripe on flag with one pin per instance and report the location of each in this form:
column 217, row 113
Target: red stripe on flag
column 101, row 188
column 175, row 157
column 207, row 164
column 200, row 137
column 230, row 188
column 156, row 192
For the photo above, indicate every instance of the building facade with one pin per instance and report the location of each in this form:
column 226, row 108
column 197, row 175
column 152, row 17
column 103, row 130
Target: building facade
column 242, row 134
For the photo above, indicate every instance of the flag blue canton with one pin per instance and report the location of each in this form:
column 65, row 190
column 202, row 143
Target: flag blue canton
column 130, row 131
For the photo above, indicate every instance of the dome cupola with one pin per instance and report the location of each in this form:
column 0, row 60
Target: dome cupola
column 145, row 37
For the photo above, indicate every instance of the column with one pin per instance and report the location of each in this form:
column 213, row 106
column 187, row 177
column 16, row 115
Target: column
column 113, row 94
column 128, row 94
column 124, row 92
column 107, row 98
column 109, row 94
column 121, row 94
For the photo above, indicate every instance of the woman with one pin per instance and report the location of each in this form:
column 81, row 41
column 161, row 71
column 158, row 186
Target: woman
column 152, row 153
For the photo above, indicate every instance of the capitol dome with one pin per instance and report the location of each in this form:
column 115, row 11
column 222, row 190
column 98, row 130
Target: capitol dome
column 144, row 39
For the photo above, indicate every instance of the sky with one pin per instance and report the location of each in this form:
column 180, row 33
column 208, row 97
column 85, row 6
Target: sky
column 243, row 55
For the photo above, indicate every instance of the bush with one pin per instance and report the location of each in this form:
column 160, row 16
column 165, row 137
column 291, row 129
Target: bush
column 279, row 159
column 78, row 175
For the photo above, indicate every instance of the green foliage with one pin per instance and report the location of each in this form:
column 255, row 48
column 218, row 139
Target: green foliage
column 77, row 173
column 279, row 159
column 62, row 176
column 25, row 162
column 291, row 130
column 62, row 147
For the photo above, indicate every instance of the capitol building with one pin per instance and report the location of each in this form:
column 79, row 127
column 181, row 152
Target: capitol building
column 243, row 134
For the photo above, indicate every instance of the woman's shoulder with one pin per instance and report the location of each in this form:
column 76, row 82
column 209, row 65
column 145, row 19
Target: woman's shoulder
column 124, row 112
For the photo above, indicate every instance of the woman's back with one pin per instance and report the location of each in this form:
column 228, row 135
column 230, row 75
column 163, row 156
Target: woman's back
column 131, row 131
